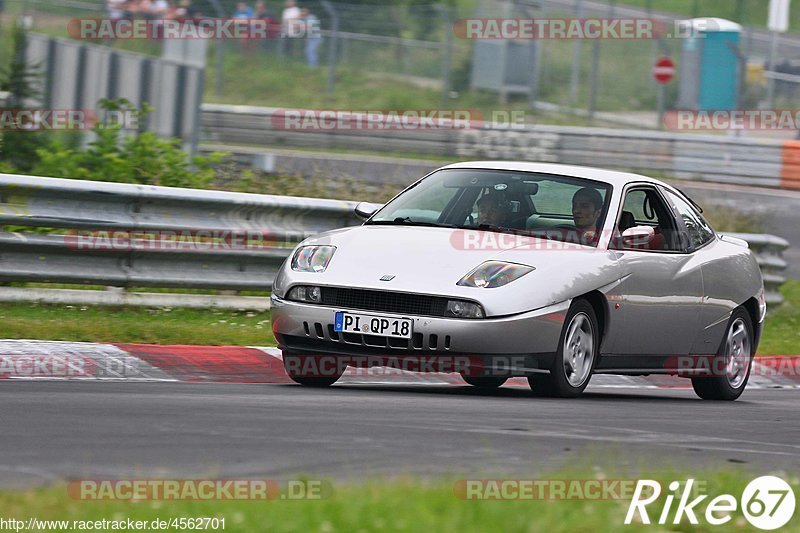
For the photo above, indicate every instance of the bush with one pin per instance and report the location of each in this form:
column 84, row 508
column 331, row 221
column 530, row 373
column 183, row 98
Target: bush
column 116, row 155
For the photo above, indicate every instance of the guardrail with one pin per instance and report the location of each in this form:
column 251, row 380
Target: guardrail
column 769, row 253
column 124, row 235
column 718, row 158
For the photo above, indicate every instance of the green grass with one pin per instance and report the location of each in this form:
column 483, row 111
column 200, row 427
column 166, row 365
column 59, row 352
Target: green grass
column 135, row 325
column 624, row 82
column 404, row 504
column 782, row 329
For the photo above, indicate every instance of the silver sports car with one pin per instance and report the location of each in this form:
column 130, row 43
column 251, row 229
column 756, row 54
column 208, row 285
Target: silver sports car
column 552, row 272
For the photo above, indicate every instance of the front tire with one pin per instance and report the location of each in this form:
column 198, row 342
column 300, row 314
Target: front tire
column 731, row 365
column 307, row 370
column 575, row 359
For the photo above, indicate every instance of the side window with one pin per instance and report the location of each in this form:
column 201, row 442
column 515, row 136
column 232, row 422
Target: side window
column 645, row 207
column 699, row 230
column 637, row 204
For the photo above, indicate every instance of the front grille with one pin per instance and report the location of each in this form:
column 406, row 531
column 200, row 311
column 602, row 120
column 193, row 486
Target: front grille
column 389, row 302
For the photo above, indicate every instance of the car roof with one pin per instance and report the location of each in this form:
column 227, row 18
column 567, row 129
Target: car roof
column 616, row 178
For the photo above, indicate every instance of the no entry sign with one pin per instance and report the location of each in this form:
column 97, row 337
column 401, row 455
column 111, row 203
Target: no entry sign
column 663, row 70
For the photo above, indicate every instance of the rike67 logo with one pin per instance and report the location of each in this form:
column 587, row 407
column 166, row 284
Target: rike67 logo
column 767, row 502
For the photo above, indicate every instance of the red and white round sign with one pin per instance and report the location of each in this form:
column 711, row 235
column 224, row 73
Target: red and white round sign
column 663, row 70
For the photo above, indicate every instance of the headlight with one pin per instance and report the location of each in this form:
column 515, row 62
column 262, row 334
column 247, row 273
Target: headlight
column 461, row 309
column 277, row 284
column 312, row 258
column 492, row 274
column 305, row 294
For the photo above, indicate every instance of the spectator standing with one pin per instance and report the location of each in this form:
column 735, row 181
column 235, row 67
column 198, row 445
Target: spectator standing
column 261, row 11
column 291, row 24
column 273, row 26
column 145, row 8
column 159, row 8
column 182, row 11
column 192, row 12
column 313, row 37
column 115, row 9
column 243, row 11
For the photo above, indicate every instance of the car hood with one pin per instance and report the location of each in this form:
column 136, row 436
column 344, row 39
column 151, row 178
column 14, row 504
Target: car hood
column 432, row 260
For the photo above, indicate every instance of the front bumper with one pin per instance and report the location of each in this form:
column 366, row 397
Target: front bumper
column 301, row 327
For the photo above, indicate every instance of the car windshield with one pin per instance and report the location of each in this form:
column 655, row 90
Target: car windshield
column 543, row 205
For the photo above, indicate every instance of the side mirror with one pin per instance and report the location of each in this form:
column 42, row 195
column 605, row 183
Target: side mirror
column 365, row 209
column 637, row 236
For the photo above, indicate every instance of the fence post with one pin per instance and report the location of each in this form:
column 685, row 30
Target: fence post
column 773, row 54
column 575, row 77
column 220, row 53
column 448, row 53
column 333, row 49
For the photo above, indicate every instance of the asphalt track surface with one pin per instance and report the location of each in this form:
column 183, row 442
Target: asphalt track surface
column 54, row 431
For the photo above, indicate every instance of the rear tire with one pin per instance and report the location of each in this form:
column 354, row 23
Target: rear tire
column 731, row 365
column 574, row 361
column 484, row 382
column 308, row 373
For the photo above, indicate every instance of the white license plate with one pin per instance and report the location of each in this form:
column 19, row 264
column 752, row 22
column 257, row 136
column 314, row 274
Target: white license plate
column 385, row 326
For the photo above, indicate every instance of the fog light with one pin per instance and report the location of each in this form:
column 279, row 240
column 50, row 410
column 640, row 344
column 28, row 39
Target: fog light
column 305, row 294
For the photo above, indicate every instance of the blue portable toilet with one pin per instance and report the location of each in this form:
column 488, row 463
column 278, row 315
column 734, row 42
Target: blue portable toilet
column 709, row 69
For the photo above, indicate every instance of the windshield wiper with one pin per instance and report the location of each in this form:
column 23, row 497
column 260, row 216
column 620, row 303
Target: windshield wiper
column 408, row 221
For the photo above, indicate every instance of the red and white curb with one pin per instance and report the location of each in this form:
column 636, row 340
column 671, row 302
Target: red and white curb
column 57, row 360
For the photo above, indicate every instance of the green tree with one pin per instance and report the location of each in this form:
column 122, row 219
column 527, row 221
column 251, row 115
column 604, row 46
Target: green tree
column 19, row 148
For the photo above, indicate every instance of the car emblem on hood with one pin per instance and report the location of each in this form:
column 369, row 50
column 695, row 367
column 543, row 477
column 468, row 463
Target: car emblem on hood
column 387, row 277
